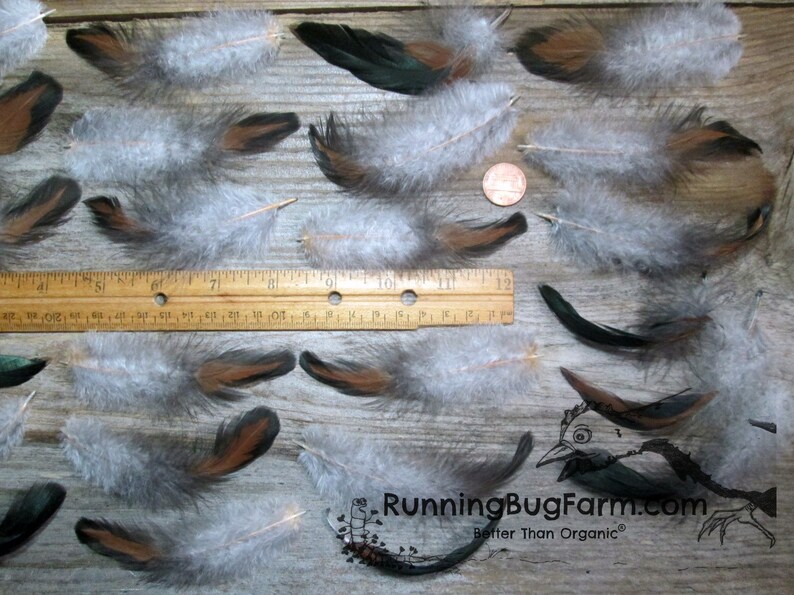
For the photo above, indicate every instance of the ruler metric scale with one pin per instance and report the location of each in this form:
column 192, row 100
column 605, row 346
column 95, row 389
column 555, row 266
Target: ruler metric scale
column 253, row 300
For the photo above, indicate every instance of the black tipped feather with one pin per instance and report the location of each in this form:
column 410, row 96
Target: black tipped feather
column 16, row 370
column 589, row 331
column 347, row 377
column 26, row 109
column 28, row 513
column 375, row 58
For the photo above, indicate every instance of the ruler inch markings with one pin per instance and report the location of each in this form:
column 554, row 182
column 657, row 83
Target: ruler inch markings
column 251, row 300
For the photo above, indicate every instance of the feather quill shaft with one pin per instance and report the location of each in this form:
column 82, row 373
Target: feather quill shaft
column 672, row 146
column 135, row 145
column 343, row 468
column 166, row 375
column 657, row 48
column 227, row 544
column 35, row 217
column 467, row 41
column 22, row 33
column 196, row 53
column 446, row 367
column 190, row 228
column 26, row 109
column 369, row 236
column 165, row 473
column 419, row 147
column 603, row 230
column 13, row 416
column 27, row 515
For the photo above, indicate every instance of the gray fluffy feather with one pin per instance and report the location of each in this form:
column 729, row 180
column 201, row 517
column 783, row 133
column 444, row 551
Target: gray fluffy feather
column 22, row 33
column 202, row 50
column 629, row 151
column 605, row 230
column 471, row 31
column 670, row 46
column 13, row 415
column 343, row 467
column 378, row 236
column 452, row 368
column 136, row 145
column 151, row 373
column 424, row 144
column 186, row 227
column 135, row 467
column 232, row 542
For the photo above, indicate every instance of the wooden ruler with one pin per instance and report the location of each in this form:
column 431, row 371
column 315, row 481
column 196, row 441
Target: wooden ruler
column 253, row 300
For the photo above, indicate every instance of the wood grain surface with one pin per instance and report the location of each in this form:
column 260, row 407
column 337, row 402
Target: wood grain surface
column 653, row 555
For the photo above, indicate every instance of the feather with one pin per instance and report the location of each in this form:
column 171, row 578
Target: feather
column 343, row 468
column 34, row 218
column 134, row 145
column 656, row 48
column 369, row 236
column 445, row 368
column 28, row 513
column 188, row 227
column 660, row 331
column 663, row 413
column 197, row 53
column 26, row 109
column 22, row 33
column 468, row 41
column 673, row 145
column 229, row 543
column 165, row 473
column 16, row 370
column 165, row 375
column 419, row 147
column 13, row 416
column 603, row 230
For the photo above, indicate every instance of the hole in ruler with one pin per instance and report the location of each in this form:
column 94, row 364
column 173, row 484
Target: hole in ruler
column 334, row 298
column 160, row 299
column 408, row 297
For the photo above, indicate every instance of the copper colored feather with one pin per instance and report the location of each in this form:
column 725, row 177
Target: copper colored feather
column 26, row 109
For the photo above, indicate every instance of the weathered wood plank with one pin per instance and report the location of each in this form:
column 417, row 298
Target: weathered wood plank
column 653, row 556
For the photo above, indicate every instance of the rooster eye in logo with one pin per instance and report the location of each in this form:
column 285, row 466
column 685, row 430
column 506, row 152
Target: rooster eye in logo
column 582, row 435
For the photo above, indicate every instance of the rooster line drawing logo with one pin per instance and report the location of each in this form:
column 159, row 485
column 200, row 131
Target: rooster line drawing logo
column 581, row 461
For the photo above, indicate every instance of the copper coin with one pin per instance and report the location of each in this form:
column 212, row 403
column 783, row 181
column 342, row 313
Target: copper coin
column 504, row 184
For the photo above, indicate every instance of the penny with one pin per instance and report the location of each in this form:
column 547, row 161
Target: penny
column 504, row 184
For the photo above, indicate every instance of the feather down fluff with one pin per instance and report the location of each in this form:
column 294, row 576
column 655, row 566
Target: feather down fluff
column 22, row 33
column 419, row 147
column 446, row 367
column 656, row 48
column 343, row 468
column 165, row 473
column 182, row 227
column 166, row 374
column 229, row 543
column 134, row 145
column 604, row 230
column 369, row 236
column 197, row 52
column 672, row 145
column 13, row 416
